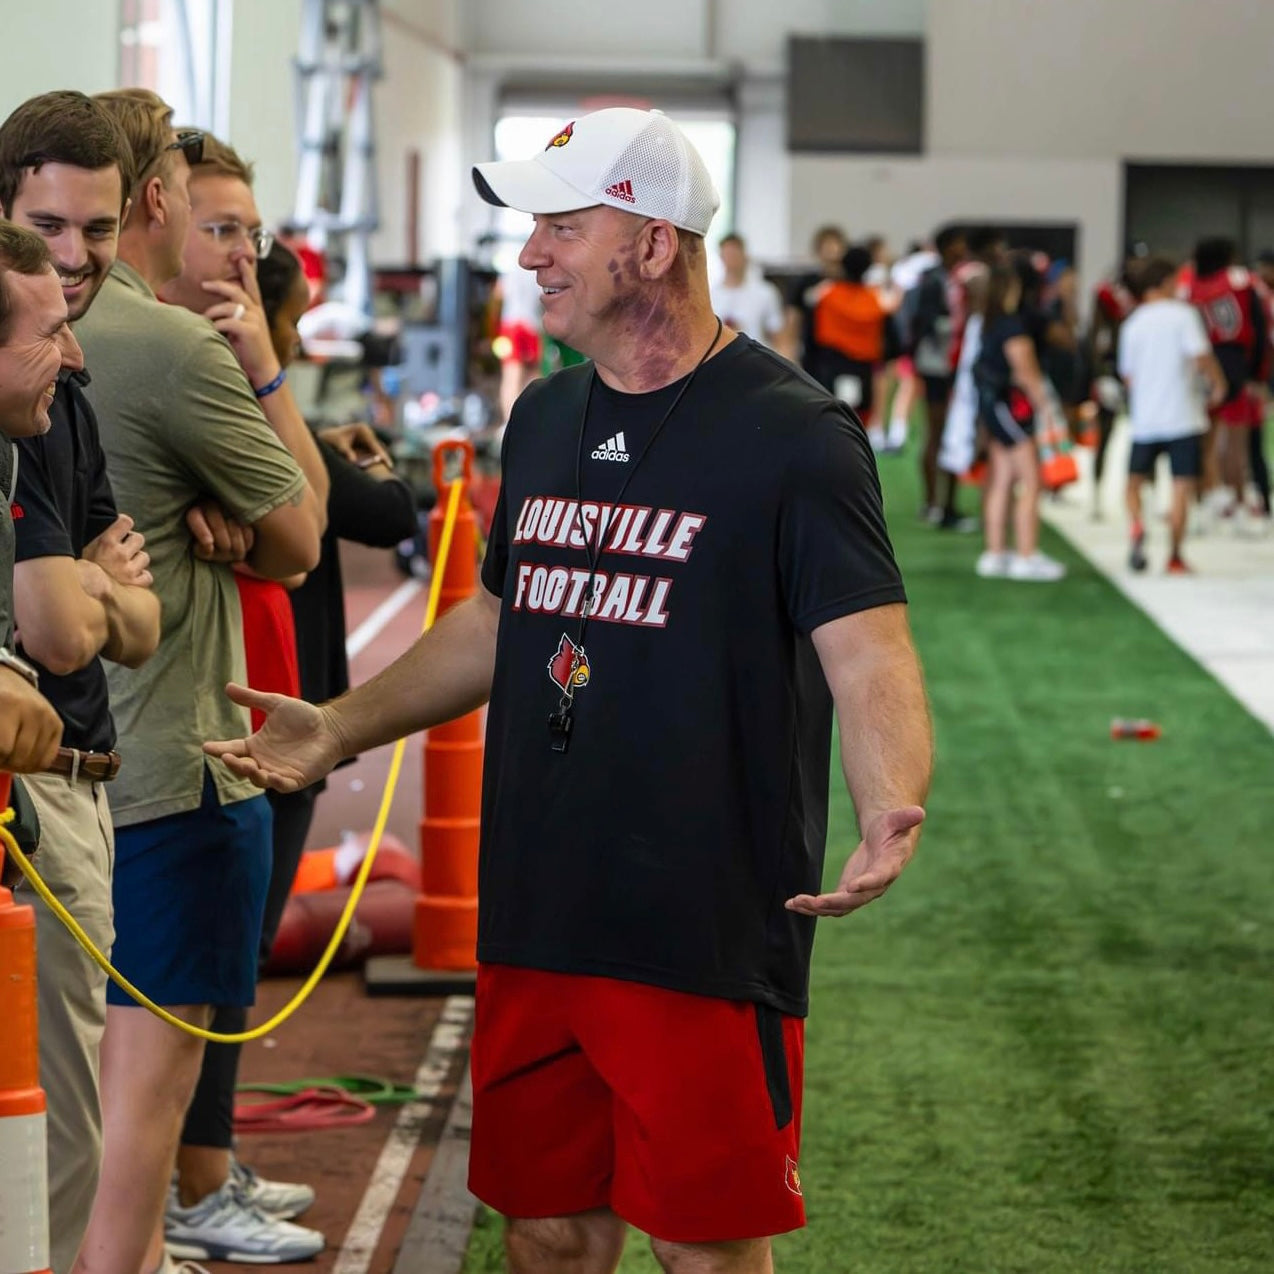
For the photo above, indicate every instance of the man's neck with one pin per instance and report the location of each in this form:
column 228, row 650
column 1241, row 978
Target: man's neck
column 661, row 347
column 136, row 251
column 734, row 278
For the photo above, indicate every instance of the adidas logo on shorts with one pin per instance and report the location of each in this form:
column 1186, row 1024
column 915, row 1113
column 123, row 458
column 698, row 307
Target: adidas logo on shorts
column 614, row 448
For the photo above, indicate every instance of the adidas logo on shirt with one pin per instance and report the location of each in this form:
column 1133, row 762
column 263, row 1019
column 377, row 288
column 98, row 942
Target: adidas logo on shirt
column 613, row 449
column 622, row 190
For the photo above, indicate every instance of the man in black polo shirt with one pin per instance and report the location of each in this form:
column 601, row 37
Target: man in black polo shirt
column 687, row 570
column 81, row 590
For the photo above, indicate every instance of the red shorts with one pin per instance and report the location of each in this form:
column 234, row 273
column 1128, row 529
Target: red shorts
column 1245, row 410
column 524, row 342
column 680, row 1113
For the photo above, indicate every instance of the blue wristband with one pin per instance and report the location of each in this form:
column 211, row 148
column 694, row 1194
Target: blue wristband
column 277, row 383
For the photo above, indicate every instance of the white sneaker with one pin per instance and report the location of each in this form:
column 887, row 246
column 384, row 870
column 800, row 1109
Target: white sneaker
column 1036, row 569
column 896, row 437
column 226, row 1227
column 992, row 565
column 282, row 1199
column 876, row 436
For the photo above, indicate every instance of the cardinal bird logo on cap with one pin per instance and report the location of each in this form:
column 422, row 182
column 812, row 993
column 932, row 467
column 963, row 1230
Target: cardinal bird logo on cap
column 791, row 1177
column 563, row 137
column 560, row 665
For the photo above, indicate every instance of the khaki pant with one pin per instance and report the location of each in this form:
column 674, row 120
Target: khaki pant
column 77, row 851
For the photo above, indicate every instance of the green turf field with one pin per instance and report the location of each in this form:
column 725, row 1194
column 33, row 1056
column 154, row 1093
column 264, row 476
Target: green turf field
column 1049, row 1048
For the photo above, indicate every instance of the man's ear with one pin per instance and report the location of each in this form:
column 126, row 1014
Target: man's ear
column 153, row 201
column 660, row 245
column 123, row 213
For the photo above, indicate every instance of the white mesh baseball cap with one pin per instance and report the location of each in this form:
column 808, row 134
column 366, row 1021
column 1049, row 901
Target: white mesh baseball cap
column 639, row 161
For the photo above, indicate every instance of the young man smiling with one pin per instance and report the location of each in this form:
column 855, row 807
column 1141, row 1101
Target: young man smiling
column 81, row 592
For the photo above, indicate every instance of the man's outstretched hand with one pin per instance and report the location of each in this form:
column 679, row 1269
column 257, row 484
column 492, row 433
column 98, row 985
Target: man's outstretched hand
column 296, row 746
column 885, row 849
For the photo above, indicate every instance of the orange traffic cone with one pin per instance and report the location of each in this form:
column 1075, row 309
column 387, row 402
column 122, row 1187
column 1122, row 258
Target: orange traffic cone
column 24, row 1188
column 445, row 925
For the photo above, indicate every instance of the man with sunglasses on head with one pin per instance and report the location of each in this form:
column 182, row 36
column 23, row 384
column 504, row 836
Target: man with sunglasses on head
column 210, row 480
column 219, row 1205
column 81, row 595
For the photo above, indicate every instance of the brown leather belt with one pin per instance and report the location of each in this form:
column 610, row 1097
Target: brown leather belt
column 98, row 766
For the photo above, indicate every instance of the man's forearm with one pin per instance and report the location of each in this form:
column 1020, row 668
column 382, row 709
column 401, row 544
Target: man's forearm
column 286, row 420
column 445, row 674
column 133, row 621
column 886, row 738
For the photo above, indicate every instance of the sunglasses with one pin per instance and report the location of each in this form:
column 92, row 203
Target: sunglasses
column 190, row 143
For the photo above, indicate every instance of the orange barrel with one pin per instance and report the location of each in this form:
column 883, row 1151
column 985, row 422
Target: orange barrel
column 24, row 1188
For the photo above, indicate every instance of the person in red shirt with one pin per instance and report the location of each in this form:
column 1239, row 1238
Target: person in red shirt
column 1235, row 310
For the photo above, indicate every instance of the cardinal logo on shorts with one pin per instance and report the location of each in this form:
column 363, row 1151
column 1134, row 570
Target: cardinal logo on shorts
column 563, row 659
column 560, row 139
column 791, row 1177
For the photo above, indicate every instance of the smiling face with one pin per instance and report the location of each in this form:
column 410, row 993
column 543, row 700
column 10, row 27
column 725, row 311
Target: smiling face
column 222, row 215
column 37, row 345
column 77, row 212
column 586, row 265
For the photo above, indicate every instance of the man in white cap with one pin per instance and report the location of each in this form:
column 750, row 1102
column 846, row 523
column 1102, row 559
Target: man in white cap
column 687, row 568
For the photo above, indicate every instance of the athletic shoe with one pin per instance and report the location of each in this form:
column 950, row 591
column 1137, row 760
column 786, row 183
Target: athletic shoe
column 932, row 514
column 876, row 436
column 961, row 525
column 226, row 1227
column 1038, row 568
column 992, row 565
column 282, row 1199
column 1179, row 566
column 896, row 435
column 1137, row 554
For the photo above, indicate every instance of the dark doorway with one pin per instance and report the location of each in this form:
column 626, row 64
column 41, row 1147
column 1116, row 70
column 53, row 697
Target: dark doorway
column 1171, row 206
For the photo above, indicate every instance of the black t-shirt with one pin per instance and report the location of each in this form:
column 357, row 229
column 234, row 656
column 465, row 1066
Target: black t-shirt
column 359, row 508
column 992, row 370
column 64, row 501
column 797, row 298
column 693, row 799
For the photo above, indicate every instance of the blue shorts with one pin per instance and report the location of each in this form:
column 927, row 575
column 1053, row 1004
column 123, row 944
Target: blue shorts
column 189, row 894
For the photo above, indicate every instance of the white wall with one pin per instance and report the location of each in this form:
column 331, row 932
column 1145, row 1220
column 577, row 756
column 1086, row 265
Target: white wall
column 907, row 198
column 57, row 44
column 1171, row 79
column 262, row 115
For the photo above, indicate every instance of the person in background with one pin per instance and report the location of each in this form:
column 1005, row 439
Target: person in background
column 518, row 342
column 1258, row 464
column 849, row 328
column 1011, row 395
column 1163, row 354
column 367, row 504
column 828, row 246
column 748, row 303
column 1113, row 302
column 82, row 595
column 219, row 1208
column 1236, row 313
column 1062, row 360
column 932, row 309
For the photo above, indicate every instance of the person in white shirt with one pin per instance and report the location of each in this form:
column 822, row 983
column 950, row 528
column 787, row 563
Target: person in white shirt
column 747, row 303
column 1164, row 357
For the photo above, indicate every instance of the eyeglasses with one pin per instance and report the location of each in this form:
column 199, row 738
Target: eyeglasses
column 229, row 232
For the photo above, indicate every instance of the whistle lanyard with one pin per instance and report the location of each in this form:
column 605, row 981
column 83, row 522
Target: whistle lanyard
column 562, row 719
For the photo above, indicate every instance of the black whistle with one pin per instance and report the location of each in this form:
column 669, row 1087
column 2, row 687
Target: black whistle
column 561, row 723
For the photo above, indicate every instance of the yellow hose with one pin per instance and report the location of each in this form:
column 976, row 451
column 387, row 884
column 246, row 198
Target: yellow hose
column 360, row 881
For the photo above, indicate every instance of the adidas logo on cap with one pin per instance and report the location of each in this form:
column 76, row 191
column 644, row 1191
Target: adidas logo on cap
column 622, row 190
column 613, row 449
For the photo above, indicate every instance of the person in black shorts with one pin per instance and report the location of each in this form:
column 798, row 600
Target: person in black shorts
column 932, row 321
column 1011, row 392
column 687, row 570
